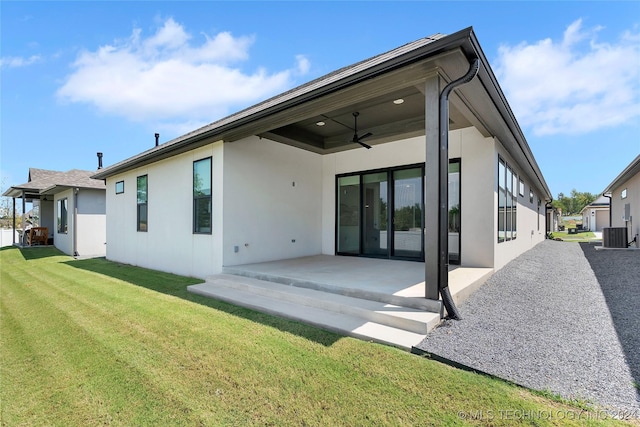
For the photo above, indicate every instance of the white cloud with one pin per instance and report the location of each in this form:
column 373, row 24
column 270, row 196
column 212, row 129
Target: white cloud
column 574, row 86
column 18, row 61
column 168, row 79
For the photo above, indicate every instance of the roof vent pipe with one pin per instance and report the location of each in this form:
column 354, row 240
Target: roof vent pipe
column 443, row 195
column 157, row 138
column 99, row 160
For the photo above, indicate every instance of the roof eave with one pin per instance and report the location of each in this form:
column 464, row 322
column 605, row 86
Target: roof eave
column 632, row 169
column 459, row 39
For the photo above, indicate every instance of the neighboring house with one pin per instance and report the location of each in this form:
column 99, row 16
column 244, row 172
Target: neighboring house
column 71, row 206
column 625, row 200
column 595, row 216
column 553, row 218
column 291, row 177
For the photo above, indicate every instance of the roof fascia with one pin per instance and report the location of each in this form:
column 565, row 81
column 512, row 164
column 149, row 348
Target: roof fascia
column 170, row 148
column 632, row 169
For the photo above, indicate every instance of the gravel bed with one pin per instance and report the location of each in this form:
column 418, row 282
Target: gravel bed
column 563, row 318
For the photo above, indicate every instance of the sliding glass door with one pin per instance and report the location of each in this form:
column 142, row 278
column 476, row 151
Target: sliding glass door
column 407, row 213
column 380, row 213
column 454, row 211
column 375, row 214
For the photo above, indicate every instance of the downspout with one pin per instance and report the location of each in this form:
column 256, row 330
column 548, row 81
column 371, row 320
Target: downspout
column 610, row 213
column 75, row 221
column 443, row 194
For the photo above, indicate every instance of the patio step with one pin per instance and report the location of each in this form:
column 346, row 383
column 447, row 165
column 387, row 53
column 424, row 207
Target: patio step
column 402, row 327
column 422, row 304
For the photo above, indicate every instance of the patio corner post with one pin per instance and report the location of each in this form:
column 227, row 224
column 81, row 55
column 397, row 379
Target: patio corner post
column 13, row 235
column 24, row 217
column 432, row 186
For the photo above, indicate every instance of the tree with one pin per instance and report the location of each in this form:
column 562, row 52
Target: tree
column 575, row 203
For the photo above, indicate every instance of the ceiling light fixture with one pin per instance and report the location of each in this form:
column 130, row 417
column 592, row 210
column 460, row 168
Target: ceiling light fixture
column 398, row 101
column 320, row 123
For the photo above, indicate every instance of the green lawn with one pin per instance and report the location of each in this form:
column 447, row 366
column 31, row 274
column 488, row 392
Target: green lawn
column 580, row 236
column 90, row 342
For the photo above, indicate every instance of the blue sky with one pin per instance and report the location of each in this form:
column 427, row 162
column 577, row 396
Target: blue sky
column 82, row 77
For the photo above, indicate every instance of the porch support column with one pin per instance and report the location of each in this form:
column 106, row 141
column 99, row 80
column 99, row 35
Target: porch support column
column 24, row 217
column 432, row 186
column 13, row 235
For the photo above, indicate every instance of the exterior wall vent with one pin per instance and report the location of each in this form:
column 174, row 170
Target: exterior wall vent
column 614, row 237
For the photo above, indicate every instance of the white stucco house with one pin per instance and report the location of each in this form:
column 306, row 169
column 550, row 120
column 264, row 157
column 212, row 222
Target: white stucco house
column 595, row 216
column 624, row 192
column 72, row 207
column 447, row 178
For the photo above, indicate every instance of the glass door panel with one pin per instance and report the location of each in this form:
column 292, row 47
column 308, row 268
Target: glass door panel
column 349, row 215
column 407, row 213
column 454, row 211
column 375, row 206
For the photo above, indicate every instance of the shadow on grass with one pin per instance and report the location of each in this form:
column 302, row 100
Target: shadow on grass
column 174, row 285
column 35, row 252
column 618, row 274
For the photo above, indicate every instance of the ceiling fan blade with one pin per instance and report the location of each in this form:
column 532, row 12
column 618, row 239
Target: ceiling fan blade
column 368, row 147
column 366, row 135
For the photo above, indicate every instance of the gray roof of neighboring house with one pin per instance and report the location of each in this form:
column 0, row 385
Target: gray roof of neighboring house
column 43, row 181
column 631, row 170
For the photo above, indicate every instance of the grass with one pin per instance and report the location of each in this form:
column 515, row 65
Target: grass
column 91, row 342
column 580, row 236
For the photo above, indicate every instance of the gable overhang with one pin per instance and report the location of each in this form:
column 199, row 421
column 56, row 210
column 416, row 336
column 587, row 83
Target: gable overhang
column 58, row 188
column 17, row 192
column 369, row 87
column 627, row 173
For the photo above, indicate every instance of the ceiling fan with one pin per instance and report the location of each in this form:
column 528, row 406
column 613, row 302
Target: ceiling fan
column 358, row 139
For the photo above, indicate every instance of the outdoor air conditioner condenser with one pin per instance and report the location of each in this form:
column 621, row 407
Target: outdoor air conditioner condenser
column 614, row 237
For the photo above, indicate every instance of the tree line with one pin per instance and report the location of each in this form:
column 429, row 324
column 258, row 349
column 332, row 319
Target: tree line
column 574, row 203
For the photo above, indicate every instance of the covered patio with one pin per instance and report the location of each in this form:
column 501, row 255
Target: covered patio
column 376, row 299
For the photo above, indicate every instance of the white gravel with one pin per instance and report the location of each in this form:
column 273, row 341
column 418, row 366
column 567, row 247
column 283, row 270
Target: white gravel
column 563, row 318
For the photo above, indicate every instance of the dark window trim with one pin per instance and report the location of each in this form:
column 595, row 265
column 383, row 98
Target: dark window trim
column 210, row 196
column 66, row 216
column 511, row 202
column 390, row 195
column 520, row 187
column 459, row 161
column 501, row 163
column 121, row 191
column 146, row 204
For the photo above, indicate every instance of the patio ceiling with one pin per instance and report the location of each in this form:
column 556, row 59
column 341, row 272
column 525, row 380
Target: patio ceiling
column 374, row 100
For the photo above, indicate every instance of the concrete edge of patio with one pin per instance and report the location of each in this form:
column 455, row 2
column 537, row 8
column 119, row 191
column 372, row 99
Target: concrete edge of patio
column 315, row 291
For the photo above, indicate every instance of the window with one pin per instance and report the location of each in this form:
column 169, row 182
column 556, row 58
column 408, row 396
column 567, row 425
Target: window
column 202, row 196
column 119, row 187
column 142, row 203
column 514, row 207
column 63, row 215
column 623, row 194
column 507, row 202
column 502, row 199
column 521, row 188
